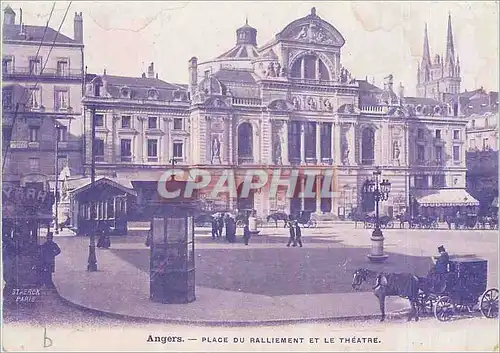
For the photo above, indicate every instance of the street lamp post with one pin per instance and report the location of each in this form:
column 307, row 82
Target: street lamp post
column 380, row 191
column 92, row 260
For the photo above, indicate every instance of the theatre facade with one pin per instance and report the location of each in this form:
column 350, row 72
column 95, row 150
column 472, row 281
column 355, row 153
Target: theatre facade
column 287, row 105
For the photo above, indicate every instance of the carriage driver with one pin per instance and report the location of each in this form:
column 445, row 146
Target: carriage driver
column 441, row 262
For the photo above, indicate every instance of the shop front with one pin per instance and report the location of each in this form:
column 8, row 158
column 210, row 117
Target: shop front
column 445, row 202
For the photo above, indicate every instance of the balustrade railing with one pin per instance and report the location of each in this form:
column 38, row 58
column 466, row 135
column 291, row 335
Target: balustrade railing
column 53, row 73
column 246, row 101
column 373, row 109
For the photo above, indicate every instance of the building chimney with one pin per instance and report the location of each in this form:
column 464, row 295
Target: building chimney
column 193, row 75
column 151, row 71
column 156, row 75
column 143, row 75
column 78, row 27
column 9, row 16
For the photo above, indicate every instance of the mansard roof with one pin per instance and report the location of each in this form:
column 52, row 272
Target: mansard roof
column 232, row 75
column 35, row 33
column 140, row 87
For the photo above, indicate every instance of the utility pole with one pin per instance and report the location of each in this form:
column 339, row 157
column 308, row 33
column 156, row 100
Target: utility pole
column 56, row 175
column 92, row 261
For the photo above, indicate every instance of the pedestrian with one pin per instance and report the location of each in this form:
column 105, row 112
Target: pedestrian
column 220, row 225
column 104, row 240
column 246, row 233
column 215, row 227
column 48, row 252
column 291, row 239
column 232, row 227
column 298, row 235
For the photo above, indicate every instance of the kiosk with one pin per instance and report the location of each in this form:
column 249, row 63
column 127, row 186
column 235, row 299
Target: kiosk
column 24, row 211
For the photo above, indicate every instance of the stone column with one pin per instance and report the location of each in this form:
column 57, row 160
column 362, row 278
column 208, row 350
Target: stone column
column 165, row 156
column 142, row 141
column 208, row 147
column 284, row 149
column 318, row 143
column 318, row 194
column 333, row 140
column 337, row 143
column 302, row 187
column 302, row 143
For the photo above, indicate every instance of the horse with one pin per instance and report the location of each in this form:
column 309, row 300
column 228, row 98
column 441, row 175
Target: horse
column 404, row 218
column 278, row 216
column 404, row 285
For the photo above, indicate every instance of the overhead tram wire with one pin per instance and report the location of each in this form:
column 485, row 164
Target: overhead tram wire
column 24, row 92
column 41, row 71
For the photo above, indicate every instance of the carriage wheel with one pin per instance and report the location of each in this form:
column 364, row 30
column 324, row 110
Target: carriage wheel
column 489, row 303
column 444, row 309
column 426, row 303
column 435, row 225
column 390, row 224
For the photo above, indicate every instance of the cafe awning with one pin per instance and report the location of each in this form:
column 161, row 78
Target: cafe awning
column 121, row 184
column 445, row 197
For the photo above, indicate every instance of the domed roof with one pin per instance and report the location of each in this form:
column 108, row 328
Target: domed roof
column 246, row 44
column 211, row 85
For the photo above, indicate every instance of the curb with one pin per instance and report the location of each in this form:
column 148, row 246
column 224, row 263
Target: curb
column 234, row 323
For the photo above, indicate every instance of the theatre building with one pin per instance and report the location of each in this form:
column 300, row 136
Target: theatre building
column 288, row 104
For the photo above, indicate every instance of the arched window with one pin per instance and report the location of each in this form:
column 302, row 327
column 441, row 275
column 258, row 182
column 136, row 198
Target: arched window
column 245, row 143
column 310, row 67
column 368, row 146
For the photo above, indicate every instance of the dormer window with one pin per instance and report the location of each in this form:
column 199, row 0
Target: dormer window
column 153, row 94
column 125, row 92
column 177, row 96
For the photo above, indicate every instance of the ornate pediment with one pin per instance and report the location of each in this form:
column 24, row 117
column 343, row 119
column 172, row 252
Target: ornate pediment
column 215, row 102
column 312, row 29
column 348, row 109
column 280, row 105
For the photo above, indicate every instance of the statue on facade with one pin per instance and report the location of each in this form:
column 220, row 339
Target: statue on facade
column 277, row 66
column 345, row 154
column 343, row 75
column 311, row 103
column 303, row 33
column 270, row 70
column 396, row 151
column 277, row 150
column 296, row 103
column 328, row 105
column 216, row 150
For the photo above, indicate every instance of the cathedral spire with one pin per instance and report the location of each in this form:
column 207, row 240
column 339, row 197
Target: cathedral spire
column 426, row 56
column 450, row 49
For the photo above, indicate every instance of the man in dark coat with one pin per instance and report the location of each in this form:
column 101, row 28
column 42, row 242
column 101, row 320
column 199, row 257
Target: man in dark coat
column 246, row 233
column 298, row 235
column 48, row 252
column 231, row 229
column 441, row 264
column 220, row 226
column 292, row 234
column 215, row 228
column 437, row 274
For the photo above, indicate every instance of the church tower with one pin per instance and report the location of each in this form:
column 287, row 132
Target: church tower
column 440, row 78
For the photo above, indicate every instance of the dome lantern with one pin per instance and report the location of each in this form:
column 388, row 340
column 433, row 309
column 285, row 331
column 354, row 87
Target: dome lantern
column 246, row 35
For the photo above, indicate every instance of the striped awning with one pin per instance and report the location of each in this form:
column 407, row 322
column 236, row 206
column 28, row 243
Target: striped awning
column 445, row 197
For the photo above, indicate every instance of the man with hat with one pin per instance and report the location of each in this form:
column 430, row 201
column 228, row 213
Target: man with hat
column 438, row 272
column 441, row 262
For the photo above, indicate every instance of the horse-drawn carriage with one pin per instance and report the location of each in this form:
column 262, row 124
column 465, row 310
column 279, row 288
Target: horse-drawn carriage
column 302, row 217
column 424, row 222
column 460, row 290
column 384, row 221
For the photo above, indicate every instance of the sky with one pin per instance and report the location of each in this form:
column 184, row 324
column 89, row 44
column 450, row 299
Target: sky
column 382, row 38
